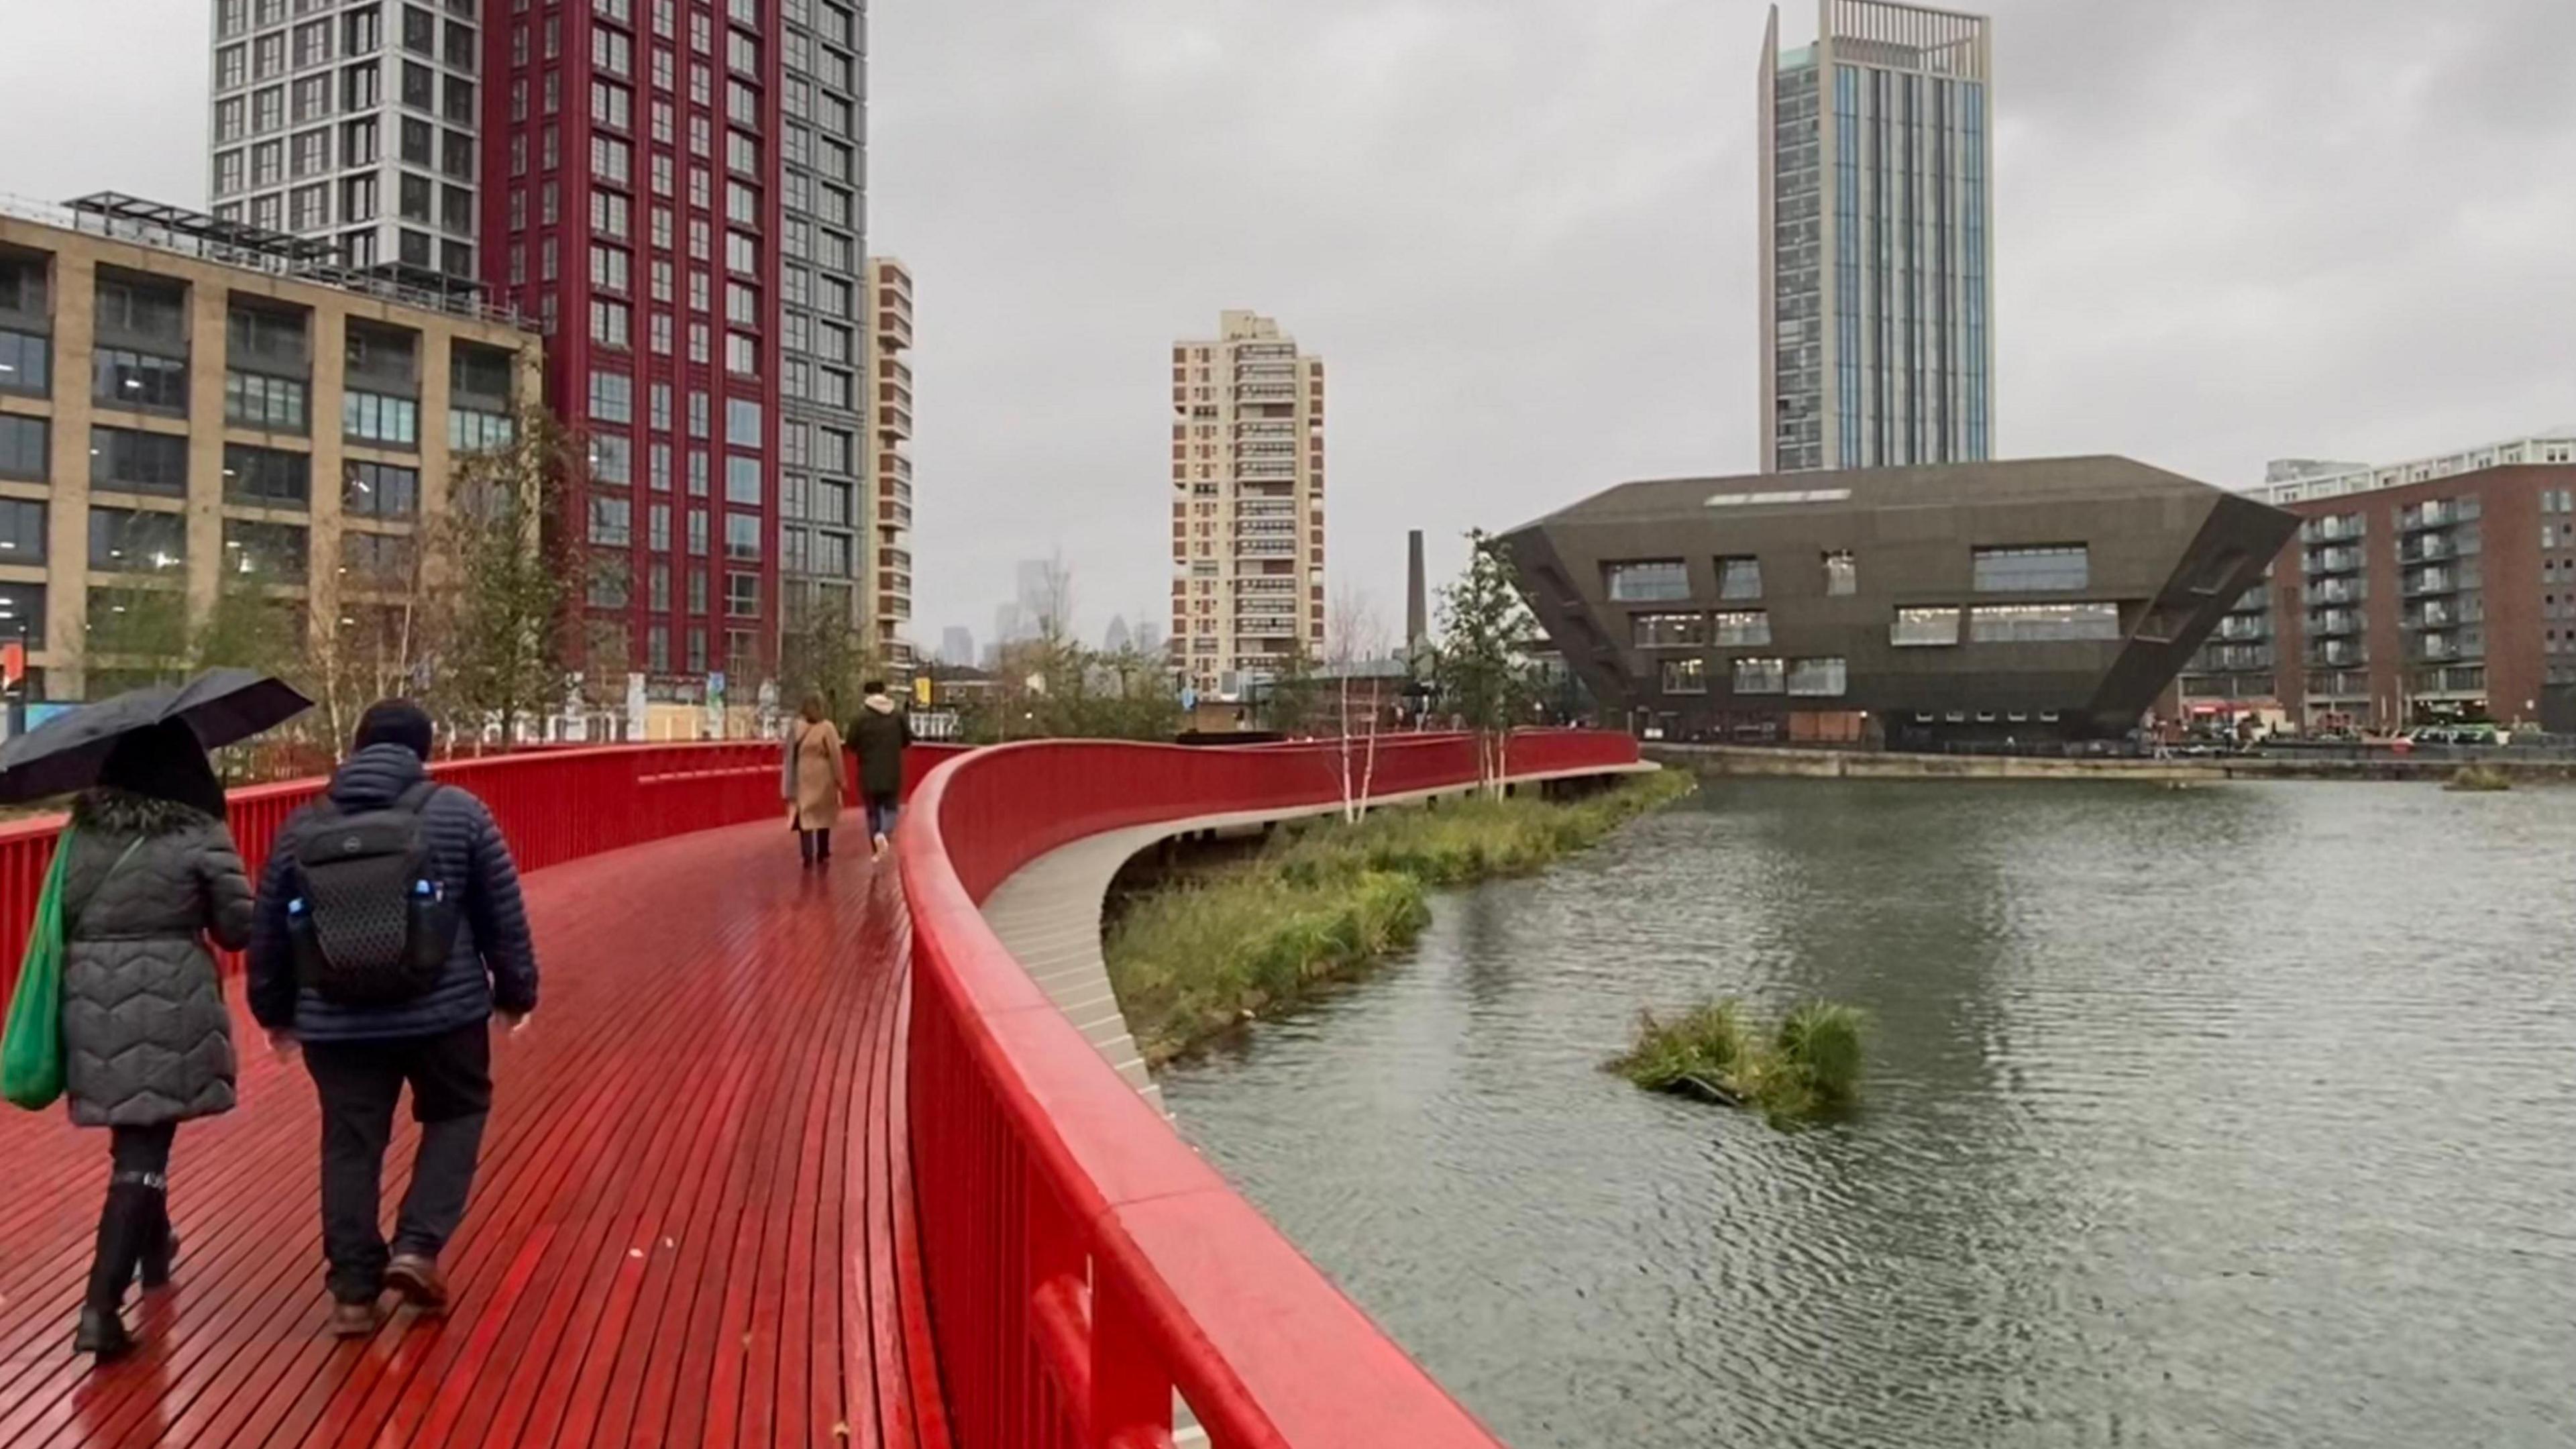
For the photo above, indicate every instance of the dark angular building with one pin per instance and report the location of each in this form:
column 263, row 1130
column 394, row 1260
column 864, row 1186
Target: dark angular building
column 2035, row 598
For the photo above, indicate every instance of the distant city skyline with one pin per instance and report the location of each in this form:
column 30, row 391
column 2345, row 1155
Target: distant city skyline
column 2181, row 283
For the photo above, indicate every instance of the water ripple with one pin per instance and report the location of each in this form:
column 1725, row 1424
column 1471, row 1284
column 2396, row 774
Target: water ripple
column 2228, row 1117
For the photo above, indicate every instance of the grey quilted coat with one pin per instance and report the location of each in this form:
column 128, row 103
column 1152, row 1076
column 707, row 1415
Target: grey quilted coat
column 146, row 1038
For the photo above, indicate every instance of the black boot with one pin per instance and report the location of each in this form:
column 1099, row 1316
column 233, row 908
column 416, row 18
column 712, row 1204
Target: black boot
column 160, row 1246
column 129, row 1217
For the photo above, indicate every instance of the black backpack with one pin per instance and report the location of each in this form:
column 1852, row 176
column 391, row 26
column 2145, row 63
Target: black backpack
column 374, row 924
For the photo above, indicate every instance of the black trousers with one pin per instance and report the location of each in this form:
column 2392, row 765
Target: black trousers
column 814, row 845
column 450, row 1076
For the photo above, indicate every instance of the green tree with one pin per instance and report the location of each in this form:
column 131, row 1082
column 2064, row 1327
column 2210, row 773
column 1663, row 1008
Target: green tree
column 829, row 656
column 512, row 573
column 1483, row 667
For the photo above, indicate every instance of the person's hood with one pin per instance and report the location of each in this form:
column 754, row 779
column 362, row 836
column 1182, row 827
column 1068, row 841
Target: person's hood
column 122, row 812
column 376, row 776
column 880, row 703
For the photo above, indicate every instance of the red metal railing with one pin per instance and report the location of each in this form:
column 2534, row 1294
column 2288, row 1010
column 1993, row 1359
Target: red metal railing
column 1082, row 1262
column 552, row 805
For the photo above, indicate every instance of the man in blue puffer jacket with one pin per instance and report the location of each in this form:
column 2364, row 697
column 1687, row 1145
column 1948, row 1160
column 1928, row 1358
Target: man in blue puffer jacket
column 439, row 1042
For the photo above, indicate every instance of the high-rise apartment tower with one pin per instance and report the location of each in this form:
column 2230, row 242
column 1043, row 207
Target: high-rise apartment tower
column 1247, row 505
column 675, row 190
column 1877, row 227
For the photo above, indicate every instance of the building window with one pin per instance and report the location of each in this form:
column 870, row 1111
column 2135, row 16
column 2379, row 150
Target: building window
column 273, row 404
column 1647, row 581
column 1842, row 573
column 612, row 459
column 612, row 521
column 742, row 480
column 742, row 596
column 1685, row 676
column 742, row 537
column 612, row 397
column 22, row 541
column 743, row 422
column 1924, row 627
column 379, row 418
column 26, row 363
column 698, row 541
column 1817, row 678
column 1662, row 631
column 2042, row 623
column 380, row 490
column 376, row 558
column 25, row 447
column 136, row 462
column 1742, row 627
column 270, row 552
column 608, row 581
column 1760, row 676
column 124, row 540
column 2048, row 568
column 140, row 381
column 1739, row 577
column 267, row 477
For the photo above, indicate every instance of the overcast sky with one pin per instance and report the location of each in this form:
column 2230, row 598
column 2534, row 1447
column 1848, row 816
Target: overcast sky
column 1521, row 234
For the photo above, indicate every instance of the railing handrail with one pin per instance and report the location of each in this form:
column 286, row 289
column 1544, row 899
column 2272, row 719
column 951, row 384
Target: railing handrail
column 1133, row 1268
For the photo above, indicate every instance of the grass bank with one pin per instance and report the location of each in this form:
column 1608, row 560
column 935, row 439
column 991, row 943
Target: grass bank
column 1325, row 901
column 1806, row 1070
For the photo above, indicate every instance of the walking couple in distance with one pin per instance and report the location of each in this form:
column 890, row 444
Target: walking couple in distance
column 815, row 775
column 386, row 933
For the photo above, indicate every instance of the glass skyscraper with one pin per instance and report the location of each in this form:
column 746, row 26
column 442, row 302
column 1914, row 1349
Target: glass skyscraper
column 1877, row 219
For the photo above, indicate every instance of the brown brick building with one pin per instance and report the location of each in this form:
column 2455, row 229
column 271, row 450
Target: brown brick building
column 2409, row 602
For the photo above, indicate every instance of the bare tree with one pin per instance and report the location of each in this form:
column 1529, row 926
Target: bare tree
column 1354, row 634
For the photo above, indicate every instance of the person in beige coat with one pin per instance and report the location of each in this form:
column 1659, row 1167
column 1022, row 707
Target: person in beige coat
column 813, row 780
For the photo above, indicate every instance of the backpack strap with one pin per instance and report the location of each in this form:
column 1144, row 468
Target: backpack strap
column 416, row 799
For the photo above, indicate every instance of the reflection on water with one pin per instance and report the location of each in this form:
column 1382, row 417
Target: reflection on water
column 2243, row 1115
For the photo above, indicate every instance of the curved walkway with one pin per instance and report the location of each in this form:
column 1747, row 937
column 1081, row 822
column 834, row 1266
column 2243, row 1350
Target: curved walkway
column 1048, row 913
column 693, row 1226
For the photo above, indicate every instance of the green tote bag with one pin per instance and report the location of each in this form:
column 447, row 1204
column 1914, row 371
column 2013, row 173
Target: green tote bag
column 31, row 1050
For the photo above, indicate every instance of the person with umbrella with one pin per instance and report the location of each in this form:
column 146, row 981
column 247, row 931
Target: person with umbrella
column 146, row 1040
column 148, row 875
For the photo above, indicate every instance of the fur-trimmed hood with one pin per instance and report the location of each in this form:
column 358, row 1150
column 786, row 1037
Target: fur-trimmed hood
column 122, row 812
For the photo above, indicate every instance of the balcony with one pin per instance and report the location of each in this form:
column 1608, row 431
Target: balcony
column 2336, row 591
column 2244, row 627
column 2339, row 528
column 2336, row 653
column 2440, row 513
column 2329, row 622
column 894, row 327
column 1266, row 392
column 2424, row 582
column 2334, row 560
column 894, row 420
column 2427, row 548
column 1267, row 468
column 1266, row 548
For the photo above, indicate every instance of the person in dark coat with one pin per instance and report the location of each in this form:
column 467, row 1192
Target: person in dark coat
column 438, row 1043
column 147, row 1042
column 879, row 735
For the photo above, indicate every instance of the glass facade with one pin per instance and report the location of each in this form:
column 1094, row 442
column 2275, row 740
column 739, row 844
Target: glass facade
column 1879, row 326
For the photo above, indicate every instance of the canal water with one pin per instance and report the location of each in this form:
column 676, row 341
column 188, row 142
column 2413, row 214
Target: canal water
column 2242, row 1115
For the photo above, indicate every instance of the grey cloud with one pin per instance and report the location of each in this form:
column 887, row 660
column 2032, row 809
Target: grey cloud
column 1521, row 233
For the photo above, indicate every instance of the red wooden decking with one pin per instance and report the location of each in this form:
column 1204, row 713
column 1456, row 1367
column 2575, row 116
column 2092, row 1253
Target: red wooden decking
column 693, row 1225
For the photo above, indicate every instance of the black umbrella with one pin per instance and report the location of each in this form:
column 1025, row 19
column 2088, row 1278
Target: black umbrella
column 65, row 753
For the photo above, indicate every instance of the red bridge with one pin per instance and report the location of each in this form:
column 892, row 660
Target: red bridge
column 785, row 1158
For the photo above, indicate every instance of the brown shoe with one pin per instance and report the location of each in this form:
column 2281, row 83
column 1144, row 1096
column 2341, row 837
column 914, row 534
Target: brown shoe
column 355, row 1320
column 418, row 1280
